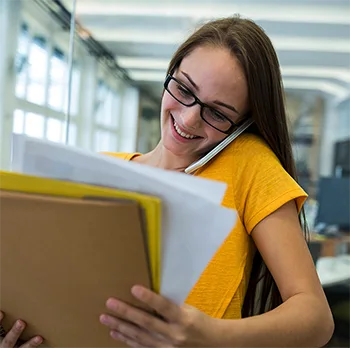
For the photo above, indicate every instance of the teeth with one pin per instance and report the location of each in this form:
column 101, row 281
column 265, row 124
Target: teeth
column 184, row 135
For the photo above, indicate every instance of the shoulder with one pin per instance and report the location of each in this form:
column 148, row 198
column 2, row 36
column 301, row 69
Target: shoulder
column 247, row 160
column 250, row 147
column 244, row 155
column 257, row 182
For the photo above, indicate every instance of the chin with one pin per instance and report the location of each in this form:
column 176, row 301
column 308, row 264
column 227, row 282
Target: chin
column 174, row 148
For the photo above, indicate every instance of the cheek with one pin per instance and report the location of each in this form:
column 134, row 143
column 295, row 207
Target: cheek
column 214, row 137
column 168, row 104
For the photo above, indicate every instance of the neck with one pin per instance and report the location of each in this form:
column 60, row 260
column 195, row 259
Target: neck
column 162, row 158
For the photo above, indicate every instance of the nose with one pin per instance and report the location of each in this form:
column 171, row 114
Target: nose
column 190, row 116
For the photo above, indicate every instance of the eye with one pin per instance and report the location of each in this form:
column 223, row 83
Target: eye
column 217, row 116
column 183, row 91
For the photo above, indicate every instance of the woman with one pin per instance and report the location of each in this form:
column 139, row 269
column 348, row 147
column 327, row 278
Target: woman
column 226, row 72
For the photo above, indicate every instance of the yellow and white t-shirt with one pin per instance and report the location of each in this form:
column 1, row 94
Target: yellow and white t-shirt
column 257, row 186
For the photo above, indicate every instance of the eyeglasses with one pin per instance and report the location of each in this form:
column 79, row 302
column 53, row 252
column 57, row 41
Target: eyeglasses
column 211, row 116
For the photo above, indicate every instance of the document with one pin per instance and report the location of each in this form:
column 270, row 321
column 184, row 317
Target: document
column 149, row 206
column 194, row 225
column 62, row 257
column 208, row 189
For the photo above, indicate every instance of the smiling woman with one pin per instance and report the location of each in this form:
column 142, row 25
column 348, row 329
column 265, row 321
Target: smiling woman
column 226, row 73
column 220, row 81
column 261, row 288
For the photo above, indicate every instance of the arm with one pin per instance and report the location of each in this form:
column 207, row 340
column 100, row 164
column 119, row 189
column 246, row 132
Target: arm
column 304, row 319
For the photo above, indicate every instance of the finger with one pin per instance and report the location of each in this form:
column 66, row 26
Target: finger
column 135, row 333
column 169, row 310
column 127, row 340
column 139, row 317
column 12, row 336
column 2, row 330
column 34, row 342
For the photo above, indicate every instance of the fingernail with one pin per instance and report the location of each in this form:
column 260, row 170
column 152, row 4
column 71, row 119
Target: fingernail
column 103, row 319
column 19, row 325
column 116, row 334
column 136, row 290
column 112, row 303
column 38, row 340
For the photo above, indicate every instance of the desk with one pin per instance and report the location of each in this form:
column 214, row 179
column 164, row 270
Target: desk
column 332, row 246
column 332, row 259
column 334, row 270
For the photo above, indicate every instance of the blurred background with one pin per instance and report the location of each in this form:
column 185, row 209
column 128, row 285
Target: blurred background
column 98, row 87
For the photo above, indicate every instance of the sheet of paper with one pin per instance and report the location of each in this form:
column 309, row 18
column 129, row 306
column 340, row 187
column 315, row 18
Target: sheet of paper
column 193, row 226
column 208, row 189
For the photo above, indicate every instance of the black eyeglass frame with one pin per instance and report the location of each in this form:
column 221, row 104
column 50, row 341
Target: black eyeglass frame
column 234, row 125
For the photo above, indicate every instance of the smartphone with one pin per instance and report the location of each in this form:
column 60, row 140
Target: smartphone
column 211, row 154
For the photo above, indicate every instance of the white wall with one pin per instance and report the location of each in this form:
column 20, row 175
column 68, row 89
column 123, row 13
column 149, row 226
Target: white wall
column 343, row 121
column 335, row 128
column 130, row 119
column 149, row 125
column 327, row 120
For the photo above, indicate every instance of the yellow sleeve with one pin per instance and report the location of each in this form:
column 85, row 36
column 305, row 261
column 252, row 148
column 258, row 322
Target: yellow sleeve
column 264, row 185
column 123, row 155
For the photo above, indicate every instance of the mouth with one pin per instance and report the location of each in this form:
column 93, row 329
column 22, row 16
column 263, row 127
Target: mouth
column 180, row 133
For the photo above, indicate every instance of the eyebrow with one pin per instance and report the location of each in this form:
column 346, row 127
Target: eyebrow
column 217, row 102
column 191, row 81
column 226, row 106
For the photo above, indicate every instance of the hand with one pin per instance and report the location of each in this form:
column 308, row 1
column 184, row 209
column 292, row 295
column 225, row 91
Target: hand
column 12, row 337
column 183, row 326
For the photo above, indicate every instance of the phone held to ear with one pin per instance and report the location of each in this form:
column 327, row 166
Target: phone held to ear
column 211, row 154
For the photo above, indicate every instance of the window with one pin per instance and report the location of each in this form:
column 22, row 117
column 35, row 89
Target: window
column 21, row 62
column 37, row 66
column 18, row 122
column 72, row 135
column 39, row 104
column 41, row 101
column 31, row 66
column 105, row 141
column 34, row 125
column 107, row 106
column 57, row 83
column 74, row 107
column 54, row 130
column 106, row 118
column 42, row 79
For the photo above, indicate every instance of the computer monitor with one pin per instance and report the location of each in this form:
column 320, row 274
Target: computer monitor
column 333, row 198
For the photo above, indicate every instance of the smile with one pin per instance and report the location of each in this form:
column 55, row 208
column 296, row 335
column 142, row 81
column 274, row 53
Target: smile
column 183, row 134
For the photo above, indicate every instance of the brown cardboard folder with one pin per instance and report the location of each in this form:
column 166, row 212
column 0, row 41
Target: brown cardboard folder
column 83, row 251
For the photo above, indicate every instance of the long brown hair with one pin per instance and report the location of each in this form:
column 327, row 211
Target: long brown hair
column 255, row 52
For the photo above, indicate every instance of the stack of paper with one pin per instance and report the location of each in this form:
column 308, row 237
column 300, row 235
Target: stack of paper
column 171, row 223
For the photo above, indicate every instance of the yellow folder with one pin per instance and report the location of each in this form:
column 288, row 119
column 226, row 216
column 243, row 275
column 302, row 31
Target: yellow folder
column 150, row 205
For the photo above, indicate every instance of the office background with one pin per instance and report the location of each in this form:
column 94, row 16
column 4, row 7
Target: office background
column 121, row 52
